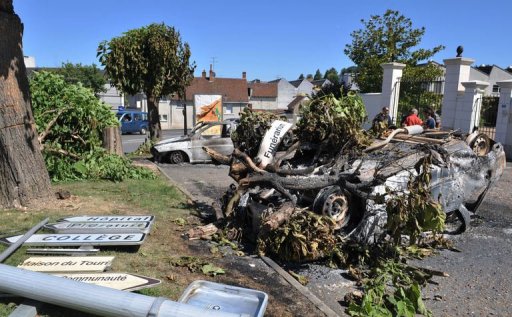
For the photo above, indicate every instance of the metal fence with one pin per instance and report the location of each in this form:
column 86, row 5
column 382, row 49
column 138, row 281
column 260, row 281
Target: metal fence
column 488, row 116
column 419, row 94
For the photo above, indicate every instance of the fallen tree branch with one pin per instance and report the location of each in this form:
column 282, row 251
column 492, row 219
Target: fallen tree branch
column 49, row 126
column 60, row 151
column 248, row 161
column 276, row 219
column 216, row 156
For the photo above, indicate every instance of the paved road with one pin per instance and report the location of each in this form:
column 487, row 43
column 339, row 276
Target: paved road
column 480, row 275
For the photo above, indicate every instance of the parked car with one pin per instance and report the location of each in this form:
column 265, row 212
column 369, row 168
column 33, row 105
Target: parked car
column 189, row 148
column 133, row 121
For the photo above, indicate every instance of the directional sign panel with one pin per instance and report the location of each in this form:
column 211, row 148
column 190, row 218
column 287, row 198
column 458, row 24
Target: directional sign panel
column 100, row 227
column 121, row 281
column 67, row 264
column 125, row 218
column 78, row 239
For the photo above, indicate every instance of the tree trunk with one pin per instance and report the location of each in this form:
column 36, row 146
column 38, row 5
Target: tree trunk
column 23, row 174
column 112, row 140
column 154, row 118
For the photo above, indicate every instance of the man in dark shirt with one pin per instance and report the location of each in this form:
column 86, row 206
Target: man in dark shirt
column 383, row 116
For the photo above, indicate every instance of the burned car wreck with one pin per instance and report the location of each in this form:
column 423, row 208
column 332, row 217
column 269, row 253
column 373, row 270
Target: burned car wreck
column 336, row 169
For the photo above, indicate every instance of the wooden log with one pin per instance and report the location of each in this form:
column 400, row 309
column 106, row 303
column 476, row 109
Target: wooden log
column 218, row 157
column 202, row 232
column 278, row 218
column 112, row 141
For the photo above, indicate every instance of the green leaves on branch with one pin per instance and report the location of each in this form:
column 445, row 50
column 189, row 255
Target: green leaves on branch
column 306, row 236
column 333, row 121
column 384, row 39
column 151, row 59
column 70, row 121
column 415, row 211
column 251, row 130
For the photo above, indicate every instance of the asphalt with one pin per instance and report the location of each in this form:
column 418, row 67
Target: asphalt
column 480, row 275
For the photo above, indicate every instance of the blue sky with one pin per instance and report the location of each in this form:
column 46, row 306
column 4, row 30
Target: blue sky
column 267, row 39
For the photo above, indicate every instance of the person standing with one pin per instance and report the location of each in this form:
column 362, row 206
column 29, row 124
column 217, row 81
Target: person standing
column 383, row 116
column 430, row 122
column 412, row 118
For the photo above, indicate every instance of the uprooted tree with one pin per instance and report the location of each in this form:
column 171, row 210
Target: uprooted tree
column 23, row 175
column 152, row 60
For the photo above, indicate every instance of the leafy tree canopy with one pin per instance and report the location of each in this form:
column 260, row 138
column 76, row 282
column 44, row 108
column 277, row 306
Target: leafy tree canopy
column 387, row 38
column 89, row 75
column 309, row 77
column 301, row 76
column 70, row 122
column 318, row 75
column 332, row 75
column 151, row 59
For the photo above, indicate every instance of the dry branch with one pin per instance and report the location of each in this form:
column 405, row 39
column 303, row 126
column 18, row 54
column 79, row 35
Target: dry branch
column 216, row 156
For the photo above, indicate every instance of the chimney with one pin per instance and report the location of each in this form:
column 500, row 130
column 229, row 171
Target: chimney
column 203, row 74
column 244, row 75
column 212, row 73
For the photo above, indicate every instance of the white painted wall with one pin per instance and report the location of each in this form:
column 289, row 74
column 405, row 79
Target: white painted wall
column 373, row 104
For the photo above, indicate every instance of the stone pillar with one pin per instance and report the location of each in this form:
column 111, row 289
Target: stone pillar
column 457, row 71
column 391, row 87
column 504, row 119
column 469, row 105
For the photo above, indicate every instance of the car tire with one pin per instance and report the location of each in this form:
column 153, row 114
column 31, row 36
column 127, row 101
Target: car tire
column 457, row 221
column 177, row 157
column 143, row 131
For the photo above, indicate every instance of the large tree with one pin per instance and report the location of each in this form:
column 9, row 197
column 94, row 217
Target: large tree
column 23, row 175
column 387, row 38
column 89, row 75
column 151, row 59
column 332, row 75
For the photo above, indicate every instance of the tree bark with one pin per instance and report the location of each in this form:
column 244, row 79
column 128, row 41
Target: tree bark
column 23, row 174
column 112, row 141
column 154, row 118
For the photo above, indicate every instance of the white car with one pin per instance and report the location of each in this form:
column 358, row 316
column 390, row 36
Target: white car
column 189, row 148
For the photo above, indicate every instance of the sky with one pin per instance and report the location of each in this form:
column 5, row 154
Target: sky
column 266, row 39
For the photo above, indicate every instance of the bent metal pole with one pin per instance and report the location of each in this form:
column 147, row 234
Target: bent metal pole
column 94, row 299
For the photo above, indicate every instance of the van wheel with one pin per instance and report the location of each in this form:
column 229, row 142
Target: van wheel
column 143, row 131
column 177, row 157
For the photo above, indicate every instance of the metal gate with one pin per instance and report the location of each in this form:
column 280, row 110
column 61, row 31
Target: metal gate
column 488, row 116
column 418, row 94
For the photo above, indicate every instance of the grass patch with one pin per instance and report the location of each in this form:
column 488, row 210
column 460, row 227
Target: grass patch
column 130, row 197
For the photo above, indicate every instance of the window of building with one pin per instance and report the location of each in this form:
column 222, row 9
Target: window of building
column 495, row 88
column 163, row 118
column 228, row 109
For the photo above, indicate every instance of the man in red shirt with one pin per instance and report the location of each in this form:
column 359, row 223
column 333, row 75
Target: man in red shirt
column 412, row 118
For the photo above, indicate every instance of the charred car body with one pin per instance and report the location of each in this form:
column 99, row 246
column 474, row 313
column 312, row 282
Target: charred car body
column 189, row 148
column 353, row 190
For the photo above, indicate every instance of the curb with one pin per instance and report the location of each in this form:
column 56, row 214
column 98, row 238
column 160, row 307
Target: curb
column 269, row 262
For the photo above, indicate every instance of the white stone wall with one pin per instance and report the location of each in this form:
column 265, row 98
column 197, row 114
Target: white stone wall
column 373, row 104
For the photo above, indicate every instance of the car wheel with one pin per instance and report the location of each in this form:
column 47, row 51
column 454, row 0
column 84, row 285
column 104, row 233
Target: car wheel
column 143, row 131
column 457, row 221
column 481, row 145
column 331, row 201
column 177, row 157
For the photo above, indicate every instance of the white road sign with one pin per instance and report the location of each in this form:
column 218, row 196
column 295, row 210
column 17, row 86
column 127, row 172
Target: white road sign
column 125, row 218
column 100, row 227
column 78, row 239
column 67, row 264
column 121, row 281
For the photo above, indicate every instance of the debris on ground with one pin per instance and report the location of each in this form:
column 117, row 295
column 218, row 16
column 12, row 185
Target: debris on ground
column 328, row 190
